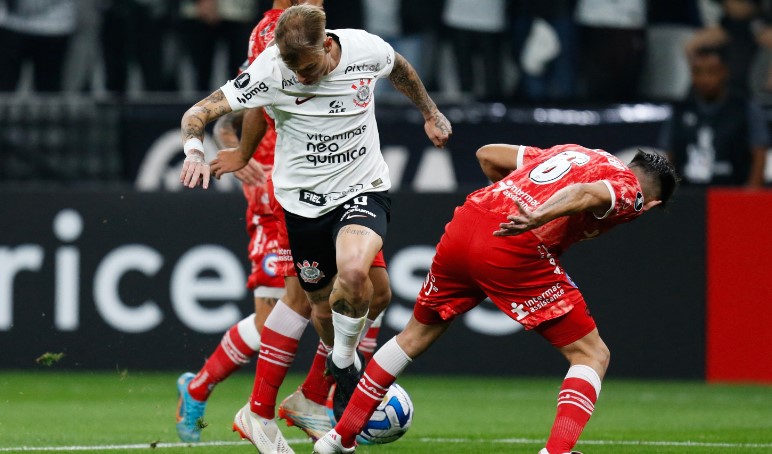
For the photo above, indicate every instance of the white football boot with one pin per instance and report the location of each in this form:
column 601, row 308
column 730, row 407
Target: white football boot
column 544, row 451
column 330, row 444
column 261, row 432
column 312, row 418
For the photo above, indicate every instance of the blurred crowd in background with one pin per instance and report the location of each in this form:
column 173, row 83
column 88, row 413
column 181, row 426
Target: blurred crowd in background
column 488, row 50
column 712, row 59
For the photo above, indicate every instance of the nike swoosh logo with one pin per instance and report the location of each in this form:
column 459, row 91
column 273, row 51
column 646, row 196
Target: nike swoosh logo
column 299, row 101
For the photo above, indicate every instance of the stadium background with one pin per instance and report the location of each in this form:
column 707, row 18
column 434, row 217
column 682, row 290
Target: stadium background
column 123, row 269
column 103, row 259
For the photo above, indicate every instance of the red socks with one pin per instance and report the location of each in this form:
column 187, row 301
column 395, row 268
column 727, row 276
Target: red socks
column 280, row 336
column 238, row 345
column 276, row 355
column 576, row 402
column 317, row 386
column 380, row 373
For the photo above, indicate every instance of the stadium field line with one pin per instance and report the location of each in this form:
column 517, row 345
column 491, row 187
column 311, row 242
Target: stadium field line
column 686, row 444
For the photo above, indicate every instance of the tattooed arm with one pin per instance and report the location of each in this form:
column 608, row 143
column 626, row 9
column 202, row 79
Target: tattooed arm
column 405, row 79
column 195, row 168
column 593, row 197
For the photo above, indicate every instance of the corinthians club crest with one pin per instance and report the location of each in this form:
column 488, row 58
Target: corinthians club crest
column 364, row 93
column 309, row 272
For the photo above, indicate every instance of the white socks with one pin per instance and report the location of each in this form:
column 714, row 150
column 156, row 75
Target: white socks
column 347, row 331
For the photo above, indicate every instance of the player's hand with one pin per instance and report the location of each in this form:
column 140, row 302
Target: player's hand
column 228, row 160
column 518, row 223
column 438, row 129
column 252, row 174
column 195, row 170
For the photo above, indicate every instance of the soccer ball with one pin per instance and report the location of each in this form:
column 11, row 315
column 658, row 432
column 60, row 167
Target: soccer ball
column 391, row 418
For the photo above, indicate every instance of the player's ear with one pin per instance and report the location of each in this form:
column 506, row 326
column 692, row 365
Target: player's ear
column 651, row 204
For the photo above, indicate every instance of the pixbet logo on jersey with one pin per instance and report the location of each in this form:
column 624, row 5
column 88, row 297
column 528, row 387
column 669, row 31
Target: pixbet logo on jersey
column 362, row 68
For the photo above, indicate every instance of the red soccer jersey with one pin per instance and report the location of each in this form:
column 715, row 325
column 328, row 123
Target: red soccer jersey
column 262, row 34
column 261, row 37
column 541, row 173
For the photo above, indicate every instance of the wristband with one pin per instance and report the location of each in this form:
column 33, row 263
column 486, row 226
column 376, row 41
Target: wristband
column 193, row 144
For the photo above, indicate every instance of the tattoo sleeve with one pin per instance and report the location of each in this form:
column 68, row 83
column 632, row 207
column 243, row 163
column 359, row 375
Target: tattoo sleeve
column 405, row 79
column 196, row 118
column 342, row 306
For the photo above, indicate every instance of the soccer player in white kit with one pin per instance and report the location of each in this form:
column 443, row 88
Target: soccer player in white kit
column 329, row 174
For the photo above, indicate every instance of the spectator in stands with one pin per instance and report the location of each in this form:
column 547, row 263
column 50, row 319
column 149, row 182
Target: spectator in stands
column 345, row 14
column 423, row 26
column 477, row 27
column 544, row 44
column 612, row 47
column 716, row 136
column 741, row 29
column 206, row 23
column 132, row 33
column 37, row 33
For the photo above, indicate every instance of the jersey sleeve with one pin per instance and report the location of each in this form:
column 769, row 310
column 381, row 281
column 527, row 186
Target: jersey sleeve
column 254, row 87
column 526, row 155
column 626, row 195
column 384, row 55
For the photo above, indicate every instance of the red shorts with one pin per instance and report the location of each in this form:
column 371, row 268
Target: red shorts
column 264, row 277
column 285, row 267
column 517, row 273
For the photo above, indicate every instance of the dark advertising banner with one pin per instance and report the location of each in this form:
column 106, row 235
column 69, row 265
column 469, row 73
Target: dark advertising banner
column 151, row 280
column 153, row 150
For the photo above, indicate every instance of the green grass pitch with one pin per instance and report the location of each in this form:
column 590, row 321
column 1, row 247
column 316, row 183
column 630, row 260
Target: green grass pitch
column 128, row 412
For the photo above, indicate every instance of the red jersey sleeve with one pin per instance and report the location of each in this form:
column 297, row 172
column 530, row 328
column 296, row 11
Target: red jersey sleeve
column 626, row 198
column 526, row 155
column 260, row 38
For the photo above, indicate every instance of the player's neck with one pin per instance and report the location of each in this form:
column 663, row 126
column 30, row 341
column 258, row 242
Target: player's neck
column 333, row 57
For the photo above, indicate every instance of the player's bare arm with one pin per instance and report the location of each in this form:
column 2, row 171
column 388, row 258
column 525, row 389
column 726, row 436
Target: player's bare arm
column 226, row 135
column 253, row 128
column 226, row 129
column 405, row 79
column 497, row 160
column 195, row 168
column 593, row 197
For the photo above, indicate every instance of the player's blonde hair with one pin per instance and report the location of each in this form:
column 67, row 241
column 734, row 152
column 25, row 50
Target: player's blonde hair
column 300, row 30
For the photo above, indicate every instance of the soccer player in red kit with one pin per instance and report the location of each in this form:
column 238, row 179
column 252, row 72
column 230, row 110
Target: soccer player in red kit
column 504, row 242
column 272, row 272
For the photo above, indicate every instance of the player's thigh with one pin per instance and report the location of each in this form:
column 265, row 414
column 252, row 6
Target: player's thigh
column 360, row 229
column 577, row 329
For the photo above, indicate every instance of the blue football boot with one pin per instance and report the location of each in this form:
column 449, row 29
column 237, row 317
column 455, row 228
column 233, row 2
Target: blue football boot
column 190, row 412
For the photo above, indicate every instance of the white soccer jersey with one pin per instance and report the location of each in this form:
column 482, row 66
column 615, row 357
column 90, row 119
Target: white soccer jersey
column 328, row 149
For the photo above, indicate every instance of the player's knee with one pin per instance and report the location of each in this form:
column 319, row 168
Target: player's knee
column 603, row 356
column 354, row 280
